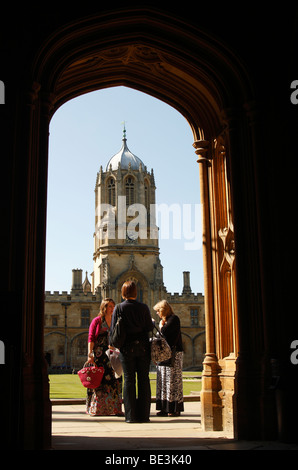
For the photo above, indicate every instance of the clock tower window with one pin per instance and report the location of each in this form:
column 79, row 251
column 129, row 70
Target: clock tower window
column 129, row 191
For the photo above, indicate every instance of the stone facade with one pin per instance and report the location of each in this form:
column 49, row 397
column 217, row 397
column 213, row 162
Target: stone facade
column 68, row 315
column 67, row 319
column 125, row 247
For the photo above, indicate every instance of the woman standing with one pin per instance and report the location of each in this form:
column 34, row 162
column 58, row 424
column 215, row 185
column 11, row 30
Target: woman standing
column 169, row 385
column 135, row 354
column 106, row 399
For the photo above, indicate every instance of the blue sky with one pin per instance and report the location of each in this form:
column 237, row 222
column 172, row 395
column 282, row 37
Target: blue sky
column 84, row 134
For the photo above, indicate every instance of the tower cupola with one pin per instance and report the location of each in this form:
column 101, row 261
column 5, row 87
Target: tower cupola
column 125, row 158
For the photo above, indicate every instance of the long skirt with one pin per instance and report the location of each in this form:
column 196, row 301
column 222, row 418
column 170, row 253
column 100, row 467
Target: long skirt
column 107, row 398
column 169, row 386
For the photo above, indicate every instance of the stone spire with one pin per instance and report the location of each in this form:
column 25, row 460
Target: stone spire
column 86, row 285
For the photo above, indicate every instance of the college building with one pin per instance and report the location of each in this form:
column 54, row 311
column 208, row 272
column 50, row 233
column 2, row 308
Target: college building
column 126, row 247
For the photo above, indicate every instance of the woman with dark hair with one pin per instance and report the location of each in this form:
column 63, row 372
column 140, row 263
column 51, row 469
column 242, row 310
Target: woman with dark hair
column 106, row 399
column 135, row 354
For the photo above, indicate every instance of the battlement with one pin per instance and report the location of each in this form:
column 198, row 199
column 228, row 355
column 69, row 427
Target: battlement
column 189, row 297
column 65, row 296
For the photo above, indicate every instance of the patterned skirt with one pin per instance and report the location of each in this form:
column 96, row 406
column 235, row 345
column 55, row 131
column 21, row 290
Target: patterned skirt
column 169, row 386
column 105, row 400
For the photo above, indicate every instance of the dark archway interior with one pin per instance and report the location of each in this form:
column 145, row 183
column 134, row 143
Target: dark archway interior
column 208, row 67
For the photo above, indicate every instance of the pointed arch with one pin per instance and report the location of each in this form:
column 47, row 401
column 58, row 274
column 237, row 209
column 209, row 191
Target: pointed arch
column 208, row 84
column 111, row 191
column 129, row 187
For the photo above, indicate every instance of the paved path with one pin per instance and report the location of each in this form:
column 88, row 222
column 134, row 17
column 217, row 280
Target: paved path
column 73, row 429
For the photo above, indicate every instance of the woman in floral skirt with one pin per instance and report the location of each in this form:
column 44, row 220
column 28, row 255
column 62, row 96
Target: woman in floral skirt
column 105, row 400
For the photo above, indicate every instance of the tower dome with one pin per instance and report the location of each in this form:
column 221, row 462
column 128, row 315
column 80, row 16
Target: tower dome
column 125, row 157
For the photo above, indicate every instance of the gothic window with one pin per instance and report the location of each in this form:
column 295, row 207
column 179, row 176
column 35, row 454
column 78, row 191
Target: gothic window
column 194, row 317
column 111, row 192
column 140, row 295
column 129, row 191
column 85, row 318
column 82, row 347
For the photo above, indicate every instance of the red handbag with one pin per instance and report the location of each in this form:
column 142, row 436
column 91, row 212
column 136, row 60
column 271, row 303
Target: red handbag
column 91, row 376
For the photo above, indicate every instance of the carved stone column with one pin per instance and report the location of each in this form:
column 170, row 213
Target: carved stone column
column 249, row 388
column 35, row 402
column 210, row 400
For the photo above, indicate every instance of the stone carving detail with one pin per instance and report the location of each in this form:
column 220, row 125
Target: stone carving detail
column 201, row 149
column 105, row 268
column 125, row 55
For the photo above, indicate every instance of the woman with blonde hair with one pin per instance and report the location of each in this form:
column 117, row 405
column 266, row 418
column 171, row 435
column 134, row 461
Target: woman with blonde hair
column 169, row 385
column 107, row 398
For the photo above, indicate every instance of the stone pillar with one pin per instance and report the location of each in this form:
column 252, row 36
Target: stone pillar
column 35, row 426
column 77, row 285
column 250, row 388
column 210, row 400
column 186, row 283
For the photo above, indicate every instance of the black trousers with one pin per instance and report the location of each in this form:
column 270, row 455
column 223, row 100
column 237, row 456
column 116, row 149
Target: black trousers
column 135, row 358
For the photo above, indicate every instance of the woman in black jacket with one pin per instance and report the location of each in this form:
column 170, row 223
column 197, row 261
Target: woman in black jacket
column 169, row 385
column 135, row 354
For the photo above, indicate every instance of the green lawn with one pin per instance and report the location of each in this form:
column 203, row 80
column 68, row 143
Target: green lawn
column 69, row 385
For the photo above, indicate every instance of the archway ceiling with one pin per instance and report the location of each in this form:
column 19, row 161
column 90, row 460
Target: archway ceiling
column 148, row 70
column 160, row 56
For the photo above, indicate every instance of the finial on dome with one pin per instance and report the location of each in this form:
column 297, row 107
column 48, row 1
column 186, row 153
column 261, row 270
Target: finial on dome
column 124, row 131
column 125, row 157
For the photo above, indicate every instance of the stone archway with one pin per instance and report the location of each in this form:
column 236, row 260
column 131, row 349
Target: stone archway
column 209, row 86
column 133, row 274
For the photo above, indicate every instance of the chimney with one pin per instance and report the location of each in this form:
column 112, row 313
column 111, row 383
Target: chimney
column 76, row 281
column 186, row 283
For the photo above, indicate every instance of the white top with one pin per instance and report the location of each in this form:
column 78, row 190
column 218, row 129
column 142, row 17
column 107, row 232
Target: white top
column 124, row 157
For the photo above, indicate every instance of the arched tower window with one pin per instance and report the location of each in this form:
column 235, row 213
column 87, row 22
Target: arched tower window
column 111, row 192
column 147, row 195
column 129, row 191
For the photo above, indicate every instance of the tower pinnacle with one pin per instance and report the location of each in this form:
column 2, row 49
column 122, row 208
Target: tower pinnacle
column 124, row 130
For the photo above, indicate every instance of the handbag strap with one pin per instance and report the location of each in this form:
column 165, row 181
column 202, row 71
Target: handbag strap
column 117, row 314
column 163, row 336
column 88, row 364
column 158, row 330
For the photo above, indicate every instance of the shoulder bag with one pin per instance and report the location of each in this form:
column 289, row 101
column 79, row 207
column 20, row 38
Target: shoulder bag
column 171, row 362
column 160, row 349
column 118, row 335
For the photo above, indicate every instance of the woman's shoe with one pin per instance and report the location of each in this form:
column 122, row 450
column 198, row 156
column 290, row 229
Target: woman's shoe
column 161, row 413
